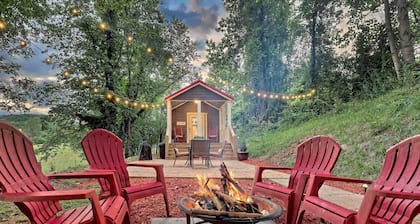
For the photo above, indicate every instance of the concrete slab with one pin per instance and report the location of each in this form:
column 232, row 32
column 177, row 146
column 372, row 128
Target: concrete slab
column 240, row 170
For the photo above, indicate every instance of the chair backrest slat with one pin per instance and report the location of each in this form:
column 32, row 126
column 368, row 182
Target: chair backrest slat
column 20, row 172
column 317, row 154
column 200, row 147
column 104, row 150
column 400, row 173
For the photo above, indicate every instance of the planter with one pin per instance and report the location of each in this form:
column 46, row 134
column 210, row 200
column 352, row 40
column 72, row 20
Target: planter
column 242, row 156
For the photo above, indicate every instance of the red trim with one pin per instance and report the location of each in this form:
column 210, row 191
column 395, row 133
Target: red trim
column 196, row 83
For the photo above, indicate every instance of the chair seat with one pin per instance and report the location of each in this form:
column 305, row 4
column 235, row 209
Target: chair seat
column 179, row 154
column 331, row 207
column 114, row 208
column 140, row 191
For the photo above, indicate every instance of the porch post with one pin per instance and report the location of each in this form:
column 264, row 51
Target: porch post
column 169, row 119
column 229, row 114
column 199, row 125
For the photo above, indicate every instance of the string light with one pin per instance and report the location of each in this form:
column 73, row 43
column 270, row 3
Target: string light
column 170, row 60
column 130, row 38
column 48, row 60
column 103, row 26
column 84, row 83
column 22, row 43
column 75, row 11
column 66, row 74
column 2, row 26
column 149, row 50
column 269, row 95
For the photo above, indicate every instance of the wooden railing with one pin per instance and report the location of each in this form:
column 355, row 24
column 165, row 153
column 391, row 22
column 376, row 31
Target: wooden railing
column 232, row 138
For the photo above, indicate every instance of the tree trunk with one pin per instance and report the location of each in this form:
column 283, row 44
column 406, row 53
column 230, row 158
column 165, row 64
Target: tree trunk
column 406, row 36
column 391, row 39
column 313, row 72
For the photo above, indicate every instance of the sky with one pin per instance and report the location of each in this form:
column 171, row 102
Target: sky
column 200, row 16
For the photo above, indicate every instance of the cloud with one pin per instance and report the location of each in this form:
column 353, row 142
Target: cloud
column 201, row 17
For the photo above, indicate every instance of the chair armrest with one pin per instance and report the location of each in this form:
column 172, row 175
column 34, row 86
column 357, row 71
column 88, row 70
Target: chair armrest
column 395, row 194
column 57, row 196
column 109, row 175
column 260, row 169
column 160, row 177
column 49, row 195
column 315, row 182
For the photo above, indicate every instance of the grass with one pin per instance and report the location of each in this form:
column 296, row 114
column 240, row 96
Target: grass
column 364, row 128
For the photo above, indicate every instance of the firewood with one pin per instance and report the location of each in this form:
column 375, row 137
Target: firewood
column 213, row 197
column 226, row 176
column 224, row 213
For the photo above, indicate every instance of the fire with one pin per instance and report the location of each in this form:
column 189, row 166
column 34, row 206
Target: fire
column 238, row 195
column 205, row 184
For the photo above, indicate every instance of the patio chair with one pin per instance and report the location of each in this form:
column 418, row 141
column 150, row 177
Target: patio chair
column 104, row 151
column 200, row 148
column 179, row 134
column 179, row 154
column 317, row 154
column 394, row 197
column 22, row 182
column 220, row 151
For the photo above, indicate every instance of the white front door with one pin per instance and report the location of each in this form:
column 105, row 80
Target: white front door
column 192, row 125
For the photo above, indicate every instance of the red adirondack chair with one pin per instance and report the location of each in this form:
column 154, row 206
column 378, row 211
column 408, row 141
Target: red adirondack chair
column 22, row 182
column 104, row 151
column 394, row 197
column 315, row 155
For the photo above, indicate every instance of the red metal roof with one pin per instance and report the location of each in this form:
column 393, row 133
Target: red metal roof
column 196, row 83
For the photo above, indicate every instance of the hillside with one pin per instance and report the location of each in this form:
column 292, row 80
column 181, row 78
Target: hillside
column 364, row 128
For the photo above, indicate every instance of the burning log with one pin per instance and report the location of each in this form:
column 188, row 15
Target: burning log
column 225, row 213
column 232, row 201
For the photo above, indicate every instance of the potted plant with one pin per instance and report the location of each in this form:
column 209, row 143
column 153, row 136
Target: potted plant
column 242, row 151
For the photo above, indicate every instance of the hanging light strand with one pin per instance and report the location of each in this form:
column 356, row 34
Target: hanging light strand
column 266, row 95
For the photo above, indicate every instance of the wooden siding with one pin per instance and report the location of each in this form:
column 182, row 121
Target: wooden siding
column 201, row 93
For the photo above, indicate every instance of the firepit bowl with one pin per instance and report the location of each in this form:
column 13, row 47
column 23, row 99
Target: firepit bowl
column 272, row 209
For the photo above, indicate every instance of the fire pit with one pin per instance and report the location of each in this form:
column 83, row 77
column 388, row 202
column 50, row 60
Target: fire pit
column 227, row 204
column 272, row 211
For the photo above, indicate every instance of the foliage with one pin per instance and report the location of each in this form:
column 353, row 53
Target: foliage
column 255, row 43
column 365, row 129
column 136, row 56
column 21, row 19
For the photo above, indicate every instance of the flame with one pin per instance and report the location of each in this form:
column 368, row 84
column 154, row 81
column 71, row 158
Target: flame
column 233, row 192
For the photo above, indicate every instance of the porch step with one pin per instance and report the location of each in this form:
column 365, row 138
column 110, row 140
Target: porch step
column 228, row 153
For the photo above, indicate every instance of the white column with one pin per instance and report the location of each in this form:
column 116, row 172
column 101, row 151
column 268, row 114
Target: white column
column 229, row 114
column 199, row 125
column 169, row 119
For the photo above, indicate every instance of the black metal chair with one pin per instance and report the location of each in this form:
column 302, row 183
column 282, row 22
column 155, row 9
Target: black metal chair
column 200, row 148
column 179, row 154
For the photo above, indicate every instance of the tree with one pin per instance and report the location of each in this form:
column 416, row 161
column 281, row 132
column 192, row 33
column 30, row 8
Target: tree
column 405, row 33
column 255, row 44
column 117, row 59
